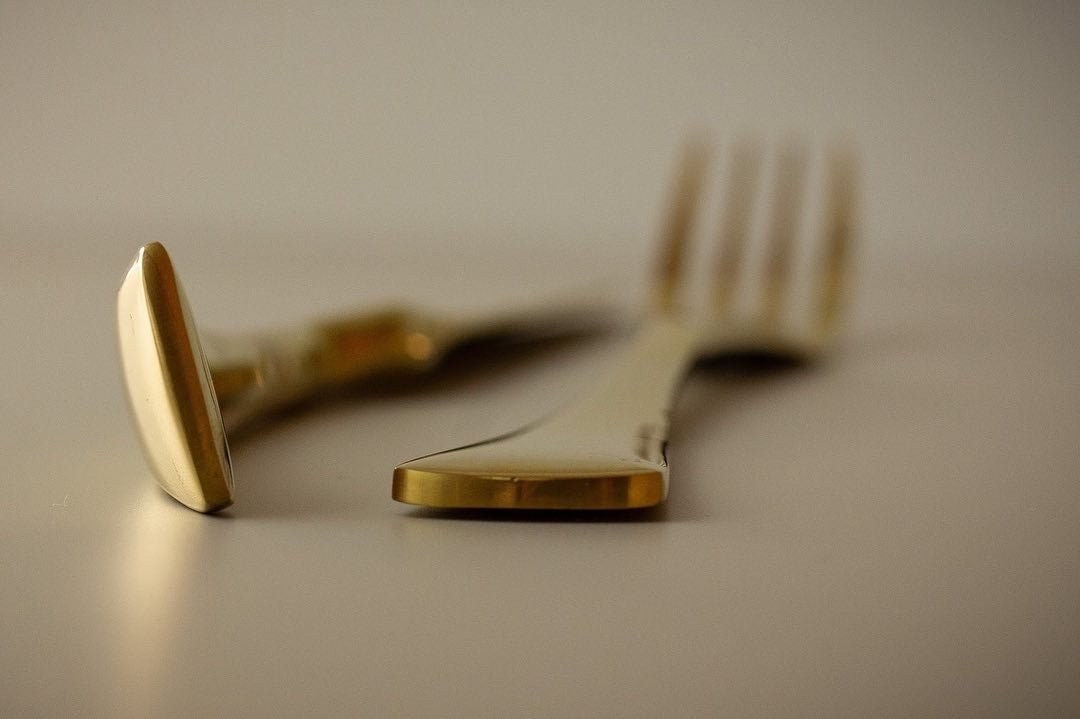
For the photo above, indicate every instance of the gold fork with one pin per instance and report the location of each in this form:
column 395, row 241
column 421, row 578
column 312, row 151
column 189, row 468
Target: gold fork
column 607, row 451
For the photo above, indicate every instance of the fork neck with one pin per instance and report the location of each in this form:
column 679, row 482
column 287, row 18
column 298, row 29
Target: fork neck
column 636, row 398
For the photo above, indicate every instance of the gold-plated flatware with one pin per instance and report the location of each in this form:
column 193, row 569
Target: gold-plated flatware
column 607, row 451
column 187, row 389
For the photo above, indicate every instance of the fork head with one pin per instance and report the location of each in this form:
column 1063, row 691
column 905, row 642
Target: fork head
column 767, row 328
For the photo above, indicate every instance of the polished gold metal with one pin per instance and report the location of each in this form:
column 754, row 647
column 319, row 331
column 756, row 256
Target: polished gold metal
column 786, row 205
column 671, row 260
column 607, row 451
column 187, row 389
column 735, row 227
column 169, row 385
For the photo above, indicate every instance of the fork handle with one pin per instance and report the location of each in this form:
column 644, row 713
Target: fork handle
column 605, row 451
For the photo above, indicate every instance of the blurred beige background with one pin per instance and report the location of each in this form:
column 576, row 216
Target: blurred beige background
column 894, row 534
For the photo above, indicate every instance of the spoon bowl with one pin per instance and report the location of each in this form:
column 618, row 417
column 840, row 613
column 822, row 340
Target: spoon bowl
column 169, row 385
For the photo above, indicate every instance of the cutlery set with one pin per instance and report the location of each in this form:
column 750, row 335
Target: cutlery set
column 188, row 389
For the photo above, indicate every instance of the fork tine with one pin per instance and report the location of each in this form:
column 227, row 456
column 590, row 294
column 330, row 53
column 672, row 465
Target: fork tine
column 787, row 203
column 839, row 230
column 738, row 209
column 688, row 189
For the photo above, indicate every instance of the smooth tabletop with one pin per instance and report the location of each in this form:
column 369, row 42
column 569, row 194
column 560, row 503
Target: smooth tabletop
column 892, row 532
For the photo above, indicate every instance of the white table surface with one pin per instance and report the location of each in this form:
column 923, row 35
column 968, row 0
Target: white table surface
column 895, row 532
